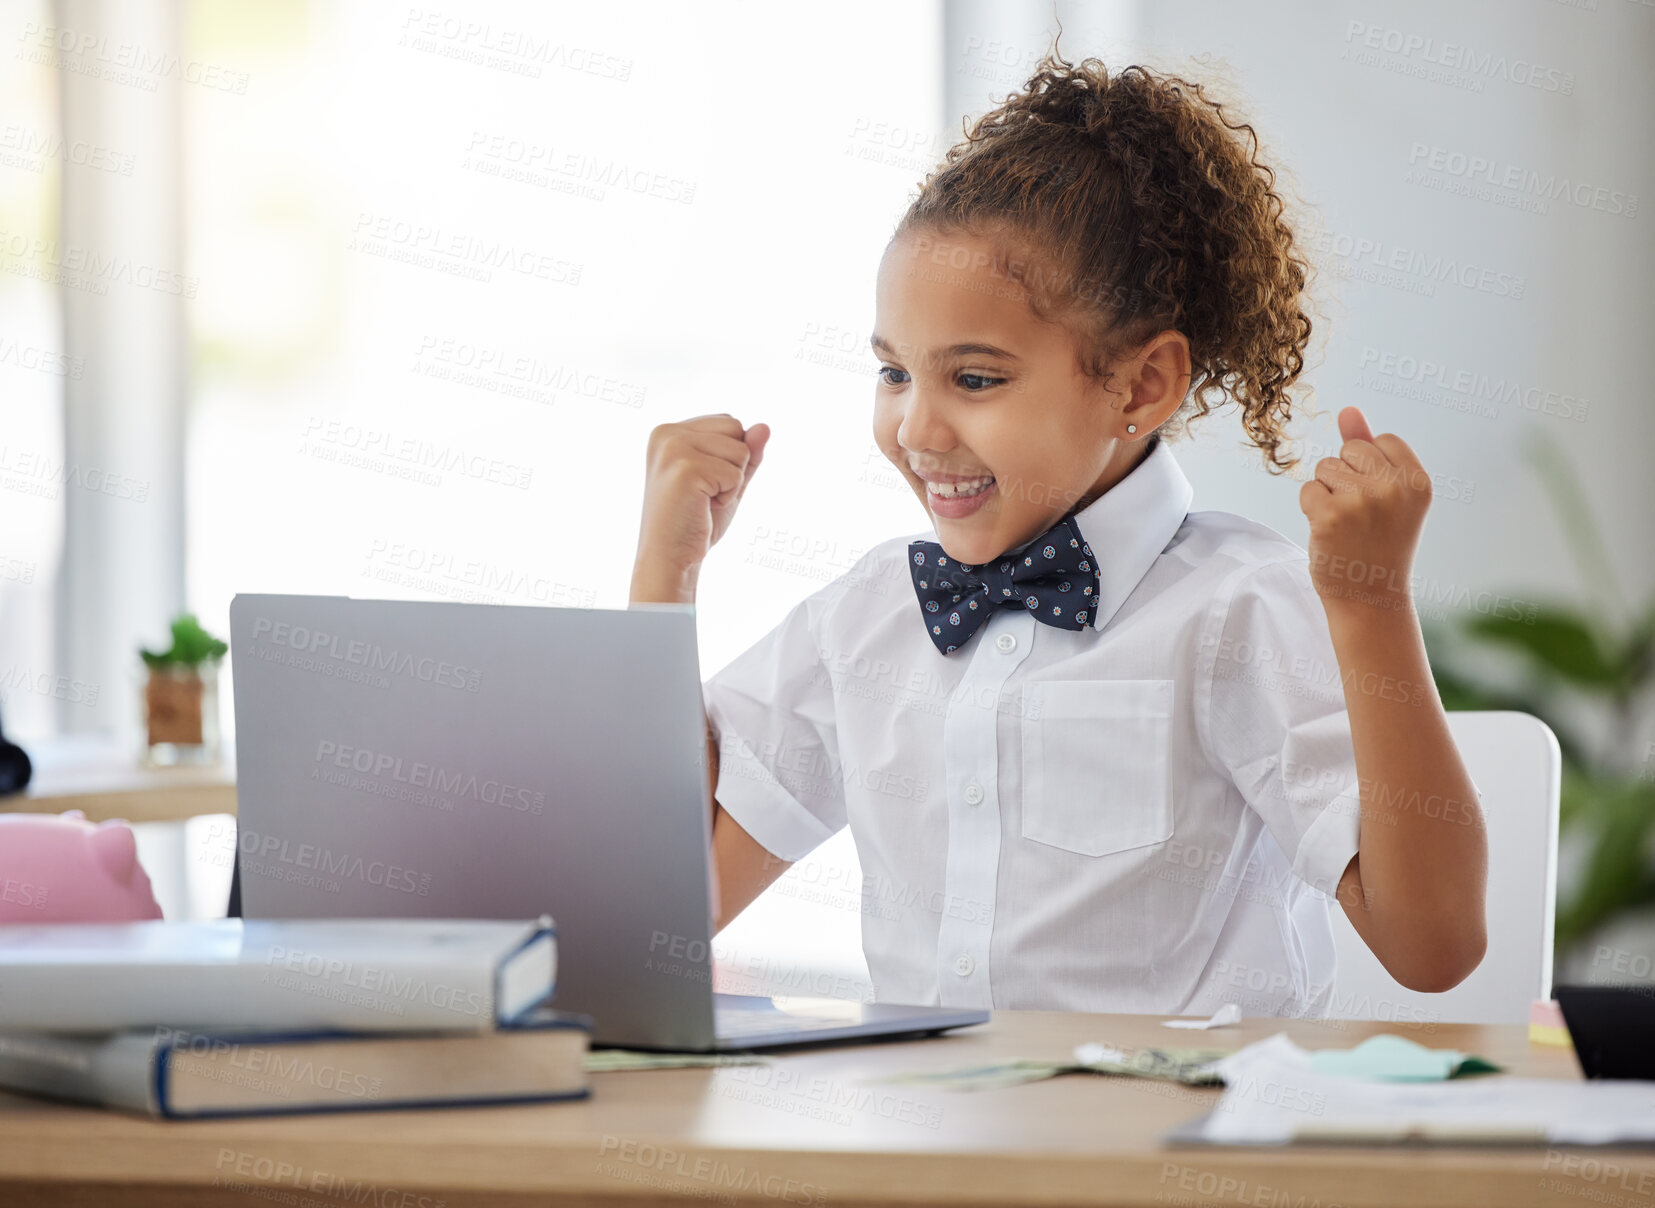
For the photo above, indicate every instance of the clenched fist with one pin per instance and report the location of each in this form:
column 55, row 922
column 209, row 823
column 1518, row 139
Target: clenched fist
column 697, row 471
column 1366, row 509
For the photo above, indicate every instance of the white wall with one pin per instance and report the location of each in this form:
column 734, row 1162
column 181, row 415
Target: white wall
column 1348, row 129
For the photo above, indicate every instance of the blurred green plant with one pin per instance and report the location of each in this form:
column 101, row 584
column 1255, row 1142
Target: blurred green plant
column 191, row 646
column 1599, row 658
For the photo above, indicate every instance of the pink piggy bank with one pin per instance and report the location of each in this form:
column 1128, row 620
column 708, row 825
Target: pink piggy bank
column 59, row 868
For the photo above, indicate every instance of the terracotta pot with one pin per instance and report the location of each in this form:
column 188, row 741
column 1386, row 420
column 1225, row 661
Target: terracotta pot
column 181, row 714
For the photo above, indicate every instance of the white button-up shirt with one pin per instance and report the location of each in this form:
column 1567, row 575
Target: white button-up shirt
column 1145, row 815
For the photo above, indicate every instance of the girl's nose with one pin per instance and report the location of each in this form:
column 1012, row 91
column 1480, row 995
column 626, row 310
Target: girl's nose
column 923, row 429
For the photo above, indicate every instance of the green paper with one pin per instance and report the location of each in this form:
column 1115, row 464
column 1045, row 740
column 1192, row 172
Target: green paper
column 608, row 1061
column 985, row 1077
column 1188, row 1066
column 1390, row 1058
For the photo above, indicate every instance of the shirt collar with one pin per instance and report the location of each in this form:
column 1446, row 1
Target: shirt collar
column 1131, row 523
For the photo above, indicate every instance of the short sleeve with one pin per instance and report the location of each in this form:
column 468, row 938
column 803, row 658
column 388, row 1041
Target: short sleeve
column 772, row 714
column 1276, row 718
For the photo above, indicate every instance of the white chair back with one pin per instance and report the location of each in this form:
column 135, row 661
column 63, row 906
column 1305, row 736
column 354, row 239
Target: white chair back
column 1514, row 760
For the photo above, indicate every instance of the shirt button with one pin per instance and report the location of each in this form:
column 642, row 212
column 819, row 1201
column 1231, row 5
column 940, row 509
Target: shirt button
column 963, row 965
column 973, row 793
column 1006, row 642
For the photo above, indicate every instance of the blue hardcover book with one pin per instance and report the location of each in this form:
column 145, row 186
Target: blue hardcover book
column 189, row 1074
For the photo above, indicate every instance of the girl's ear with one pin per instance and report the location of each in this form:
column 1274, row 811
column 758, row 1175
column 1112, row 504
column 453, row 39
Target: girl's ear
column 1159, row 376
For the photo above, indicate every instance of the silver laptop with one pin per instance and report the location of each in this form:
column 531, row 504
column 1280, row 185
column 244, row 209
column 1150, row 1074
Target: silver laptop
column 406, row 758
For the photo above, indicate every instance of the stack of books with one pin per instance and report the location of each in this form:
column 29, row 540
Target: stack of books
column 244, row 1017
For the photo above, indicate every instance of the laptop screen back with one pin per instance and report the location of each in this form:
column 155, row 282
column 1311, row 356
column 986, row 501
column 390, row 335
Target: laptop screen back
column 431, row 759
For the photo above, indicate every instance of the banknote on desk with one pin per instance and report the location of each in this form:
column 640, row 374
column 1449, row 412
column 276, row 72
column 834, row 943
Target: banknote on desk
column 1187, row 1066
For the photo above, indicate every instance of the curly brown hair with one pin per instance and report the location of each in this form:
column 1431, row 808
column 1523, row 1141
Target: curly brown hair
column 1139, row 209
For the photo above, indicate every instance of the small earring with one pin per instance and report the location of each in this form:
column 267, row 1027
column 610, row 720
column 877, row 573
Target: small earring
column 1132, row 427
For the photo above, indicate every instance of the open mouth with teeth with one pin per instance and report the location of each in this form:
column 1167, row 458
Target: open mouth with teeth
column 960, row 490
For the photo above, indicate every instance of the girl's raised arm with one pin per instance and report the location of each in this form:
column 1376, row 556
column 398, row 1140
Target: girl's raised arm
column 1415, row 889
column 697, row 471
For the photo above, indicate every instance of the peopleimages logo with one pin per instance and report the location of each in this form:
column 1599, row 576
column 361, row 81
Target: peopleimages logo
column 428, row 776
column 315, row 644
column 276, row 857
column 336, row 974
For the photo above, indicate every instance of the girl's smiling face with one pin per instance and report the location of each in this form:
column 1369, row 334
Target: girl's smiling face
column 976, row 390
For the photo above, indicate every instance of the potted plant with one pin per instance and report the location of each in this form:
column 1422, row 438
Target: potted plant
column 181, row 696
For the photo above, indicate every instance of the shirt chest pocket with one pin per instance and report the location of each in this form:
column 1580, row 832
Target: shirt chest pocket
column 1095, row 764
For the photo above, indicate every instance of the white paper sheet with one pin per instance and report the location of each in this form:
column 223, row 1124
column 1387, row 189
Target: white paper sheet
column 1273, row 1096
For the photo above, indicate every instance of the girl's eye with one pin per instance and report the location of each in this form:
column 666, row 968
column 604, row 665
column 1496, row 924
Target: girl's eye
column 974, row 382
column 886, row 372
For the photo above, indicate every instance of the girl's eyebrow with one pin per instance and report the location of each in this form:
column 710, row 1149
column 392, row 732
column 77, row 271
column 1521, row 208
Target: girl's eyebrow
column 880, row 344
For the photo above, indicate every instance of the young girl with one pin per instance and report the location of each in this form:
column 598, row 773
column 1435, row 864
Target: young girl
column 1097, row 752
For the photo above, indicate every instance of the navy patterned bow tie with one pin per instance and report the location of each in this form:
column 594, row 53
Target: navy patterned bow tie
column 1052, row 577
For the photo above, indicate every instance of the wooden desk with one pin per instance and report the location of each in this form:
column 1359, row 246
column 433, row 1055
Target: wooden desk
column 808, row 1130
column 104, row 779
